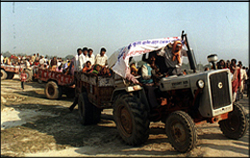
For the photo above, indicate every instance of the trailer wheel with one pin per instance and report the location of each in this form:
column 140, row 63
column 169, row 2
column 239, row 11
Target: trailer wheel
column 131, row 119
column 181, row 131
column 236, row 125
column 3, row 74
column 52, row 90
column 85, row 109
column 29, row 75
column 10, row 75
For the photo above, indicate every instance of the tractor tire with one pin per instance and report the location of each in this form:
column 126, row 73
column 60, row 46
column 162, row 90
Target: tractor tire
column 236, row 125
column 10, row 75
column 3, row 74
column 131, row 120
column 88, row 113
column 29, row 75
column 52, row 90
column 181, row 131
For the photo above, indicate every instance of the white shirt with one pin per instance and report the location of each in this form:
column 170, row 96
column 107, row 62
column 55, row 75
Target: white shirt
column 1, row 59
column 86, row 58
column 101, row 60
column 243, row 75
column 79, row 62
column 27, row 64
column 91, row 59
column 167, row 53
column 41, row 61
column 58, row 63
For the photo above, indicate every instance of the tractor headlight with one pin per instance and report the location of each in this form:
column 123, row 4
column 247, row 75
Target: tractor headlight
column 200, row 84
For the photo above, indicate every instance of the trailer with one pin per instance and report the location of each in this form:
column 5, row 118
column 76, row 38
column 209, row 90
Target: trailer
column 8, row 71
column 57, row 83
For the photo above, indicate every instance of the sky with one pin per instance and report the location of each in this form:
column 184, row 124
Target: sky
column 59, row 28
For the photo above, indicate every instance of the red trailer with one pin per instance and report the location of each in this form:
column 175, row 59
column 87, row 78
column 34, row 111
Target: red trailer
column 57, row 83
column 8, row 71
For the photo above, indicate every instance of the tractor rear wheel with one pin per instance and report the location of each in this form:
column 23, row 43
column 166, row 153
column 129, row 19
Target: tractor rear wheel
column 181, row 131
column 3, row 74
column 236, row 125
column 131, row 119
column 52, row 90
column 88, row 113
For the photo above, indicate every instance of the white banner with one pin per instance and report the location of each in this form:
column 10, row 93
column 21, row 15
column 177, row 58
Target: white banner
column 121, row 66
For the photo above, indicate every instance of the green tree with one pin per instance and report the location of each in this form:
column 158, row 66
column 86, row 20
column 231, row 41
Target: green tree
column 7, row 54
column 69, row 57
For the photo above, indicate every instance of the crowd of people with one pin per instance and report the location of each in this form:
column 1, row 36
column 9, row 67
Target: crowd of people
column 164, row 62
column 160, row 63
column 240, row 76
column 84, row 61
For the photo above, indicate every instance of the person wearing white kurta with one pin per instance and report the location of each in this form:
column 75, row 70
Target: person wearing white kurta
column 102, row 58
column 91, row 57
column 79, row 60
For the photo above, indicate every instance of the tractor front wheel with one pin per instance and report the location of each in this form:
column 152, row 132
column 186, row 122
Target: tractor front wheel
column 236, row 125
column 181, row 131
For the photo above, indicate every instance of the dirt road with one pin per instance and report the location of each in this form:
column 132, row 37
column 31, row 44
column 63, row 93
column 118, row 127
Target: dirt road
column 32, row 125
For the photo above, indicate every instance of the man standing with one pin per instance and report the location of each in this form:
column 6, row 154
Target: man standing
column 46, row 60
column 243, row 76
column 37, row 57
column 33, row 57
column 102, row 59
column 85, row 54
column 78, row 61
column 27, row 64
column 234, row 70
column 91, row 56
column 78, row 66
column 42, row 61
column 23, row 78
column 1, row 58
column 53, row 63
column 173, row 58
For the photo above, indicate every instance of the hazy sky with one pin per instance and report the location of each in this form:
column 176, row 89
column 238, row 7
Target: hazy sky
column 60, row 28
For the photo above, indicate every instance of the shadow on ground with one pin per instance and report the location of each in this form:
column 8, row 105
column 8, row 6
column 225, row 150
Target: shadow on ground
column 63, row 129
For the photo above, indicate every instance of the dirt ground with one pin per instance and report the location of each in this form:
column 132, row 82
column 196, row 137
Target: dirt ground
column 32, row 125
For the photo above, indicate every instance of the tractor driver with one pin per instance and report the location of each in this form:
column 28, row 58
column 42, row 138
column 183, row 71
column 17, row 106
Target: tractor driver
column 173, row 58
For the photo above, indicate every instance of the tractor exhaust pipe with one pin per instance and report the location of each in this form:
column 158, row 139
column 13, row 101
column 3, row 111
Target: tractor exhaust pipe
column 190, row 53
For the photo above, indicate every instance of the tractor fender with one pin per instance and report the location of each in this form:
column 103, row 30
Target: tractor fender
column 140, row 94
